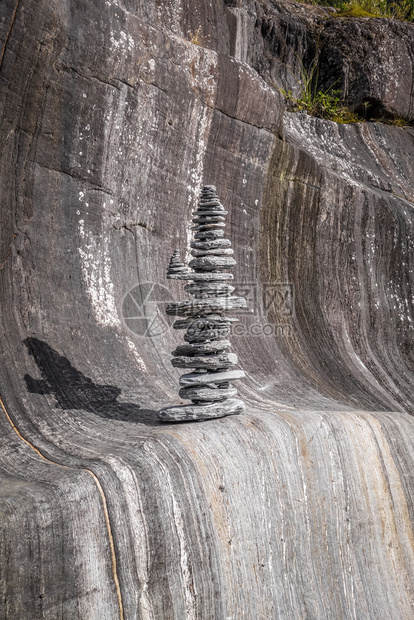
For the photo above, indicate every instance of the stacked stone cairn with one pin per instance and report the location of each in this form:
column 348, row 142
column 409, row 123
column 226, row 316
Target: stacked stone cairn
column 204, row 318
column 176, row 266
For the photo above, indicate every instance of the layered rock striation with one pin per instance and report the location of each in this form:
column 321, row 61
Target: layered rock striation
column 206, row 324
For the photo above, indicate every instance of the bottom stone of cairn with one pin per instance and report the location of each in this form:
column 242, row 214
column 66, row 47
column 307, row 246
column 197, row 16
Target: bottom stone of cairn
column 205, row 411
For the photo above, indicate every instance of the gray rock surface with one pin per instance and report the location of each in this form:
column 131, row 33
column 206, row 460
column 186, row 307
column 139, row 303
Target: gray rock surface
column 302, row 505
column 372, row 62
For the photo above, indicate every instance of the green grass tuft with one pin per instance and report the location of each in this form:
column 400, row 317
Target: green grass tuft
column 354, row 11
column 322, row 104
column 402, row 10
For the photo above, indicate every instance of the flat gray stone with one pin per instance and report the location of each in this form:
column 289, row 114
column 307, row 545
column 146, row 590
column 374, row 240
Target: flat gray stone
column 200, row 335
column 209, row 217
column 212, row 320
column 210, row 209
column 194, row 378
column 210, row 305
column 209, row 234
column 207, row 393
column 212, row 262
column 202, row 348
column 213, row 288
column 200, row 276
column 210, row 244
column 210, row 202
column 231, row 406
column 215, row 362
column 209, row 226
column 213, row 252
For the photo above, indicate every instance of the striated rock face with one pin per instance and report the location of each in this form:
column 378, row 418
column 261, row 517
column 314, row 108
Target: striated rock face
column 371, row 61
column 300, row 507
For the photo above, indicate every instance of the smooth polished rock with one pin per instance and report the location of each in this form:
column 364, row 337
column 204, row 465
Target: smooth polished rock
column 231, row 406
column 343, row 492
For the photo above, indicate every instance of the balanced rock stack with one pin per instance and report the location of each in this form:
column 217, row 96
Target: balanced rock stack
column 176, row 266
column 203, row 318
